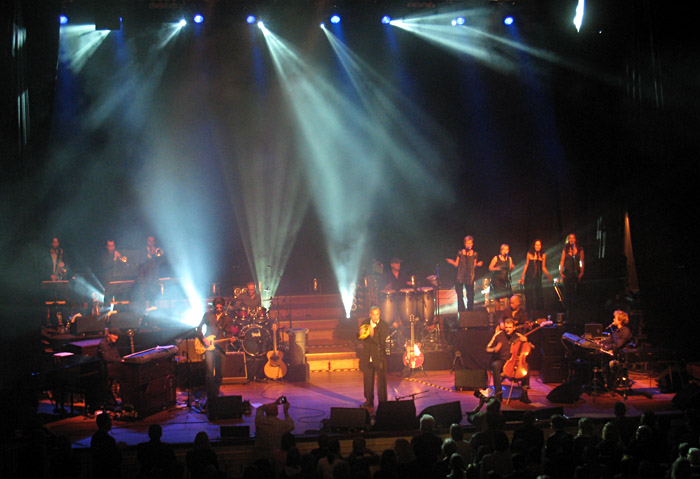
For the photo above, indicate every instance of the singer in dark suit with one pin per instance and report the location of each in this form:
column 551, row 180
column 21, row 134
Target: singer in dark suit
column 372, row 355
column 620, row 337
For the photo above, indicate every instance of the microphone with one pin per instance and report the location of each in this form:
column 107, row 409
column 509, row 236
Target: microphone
column 610, row 325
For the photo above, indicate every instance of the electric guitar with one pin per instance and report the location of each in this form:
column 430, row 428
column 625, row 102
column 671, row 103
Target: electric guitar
column 413, row 357
column 275, row 367
column 201, row 348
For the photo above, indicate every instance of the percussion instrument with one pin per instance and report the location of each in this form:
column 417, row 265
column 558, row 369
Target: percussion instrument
column 256, row 340
column 407, row 304
column 387, row 305
column 426, row 305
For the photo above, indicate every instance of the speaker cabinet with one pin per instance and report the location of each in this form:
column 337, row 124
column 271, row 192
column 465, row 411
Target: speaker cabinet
column 445, row 414
column 396, row 416
column 225, row 407
column 550, row 341
column 565, row 393
column 298, row 373
column 125, row 320
column 233, row 368
column 470, row 379
column 553, row 369
column 348, row 418
column 473, row 319
column 89, row 324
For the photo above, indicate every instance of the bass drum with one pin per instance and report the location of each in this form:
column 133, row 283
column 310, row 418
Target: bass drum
column 256, row 340
column 387, row 305
column 426, row 305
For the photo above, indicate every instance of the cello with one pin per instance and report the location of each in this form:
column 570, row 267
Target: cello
column 516, row 366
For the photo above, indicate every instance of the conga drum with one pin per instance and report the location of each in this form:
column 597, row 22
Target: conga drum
column 426, row 305
column 387, row 305
column 407, row 304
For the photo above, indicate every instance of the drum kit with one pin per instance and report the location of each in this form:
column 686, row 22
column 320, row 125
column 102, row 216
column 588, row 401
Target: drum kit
column 252, row 328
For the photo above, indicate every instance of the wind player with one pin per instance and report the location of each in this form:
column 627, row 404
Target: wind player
column 372, row 355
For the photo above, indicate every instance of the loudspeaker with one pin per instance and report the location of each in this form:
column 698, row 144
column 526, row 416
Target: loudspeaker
column 89, row 324
column 688, row 397
column 470, row 379
column 125, row 320
column 298, row 373
column 189, row 351
column 225, row 407
column 565, row 393
column 550, row 341
column 347, row 418
column 437, row 360
column 396, row 416
column 673, row 380
column 473, row 319
column 553, row 369
column 234, row 369
column 445, row 414
column 227, row 432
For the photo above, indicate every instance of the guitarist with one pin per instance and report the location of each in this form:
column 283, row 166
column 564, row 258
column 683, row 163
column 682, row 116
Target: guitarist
column 216, row 324
column 499, row 347
column 372, row 354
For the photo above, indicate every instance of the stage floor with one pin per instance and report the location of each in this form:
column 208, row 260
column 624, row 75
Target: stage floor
column 311, row 403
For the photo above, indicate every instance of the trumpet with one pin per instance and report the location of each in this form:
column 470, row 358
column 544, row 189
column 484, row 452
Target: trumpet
column 120, row 257
column 158, row 252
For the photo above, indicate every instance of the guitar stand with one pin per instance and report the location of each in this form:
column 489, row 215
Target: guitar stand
column 458, row 356
column 408, row 372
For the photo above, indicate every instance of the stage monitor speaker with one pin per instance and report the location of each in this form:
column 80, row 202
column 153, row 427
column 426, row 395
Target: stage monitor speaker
column 348, row 418
column 396, row 416
column 673, row 380
column 553, row 369
column 297, row 373
column 470, row 379
column 565, row 393
column 228, row 432
column 473, row 319
column 688, row 397
column 225, row 407
column 233, row 368
column 445, row 414
column 125, row 320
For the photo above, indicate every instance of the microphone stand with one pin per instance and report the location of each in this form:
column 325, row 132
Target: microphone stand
column 412, row 396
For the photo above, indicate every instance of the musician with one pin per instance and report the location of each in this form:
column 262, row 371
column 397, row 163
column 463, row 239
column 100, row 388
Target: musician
column 146, row 287
column 56, row 265
column 499, row 347
column 372, row 355
column 248, row 299
column 515, row 312
column 394, row 278
column 619, row 338
column 217, row 325
column 571, row 267
column 501, row 266
column 108, row 351
column 466, row 263
column 535, row 266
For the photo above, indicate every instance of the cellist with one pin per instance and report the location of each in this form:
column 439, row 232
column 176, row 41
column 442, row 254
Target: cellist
column 499, row 347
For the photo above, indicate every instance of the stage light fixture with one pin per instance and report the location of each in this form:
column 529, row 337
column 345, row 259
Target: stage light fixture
column 323, row 26
column 198, row 18
column 182, row 23
column 250, row 19
column 335, row 19
column 62, row 20
column 386, row 19
column 509, row 20
column 459, row 21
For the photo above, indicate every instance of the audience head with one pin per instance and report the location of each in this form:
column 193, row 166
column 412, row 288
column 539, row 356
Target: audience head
column 155, row 432
column 427, row 423
column 359, row 445
column 558, row 422
column 104, row 421
column 585, row 427
column 456, row 432
column 620, row 409
column 449, row 447
column 201, row 440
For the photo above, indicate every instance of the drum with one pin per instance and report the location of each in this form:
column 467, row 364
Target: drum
column 242, row 315
column 407, row 304
column 256, row 340
column 426, row 305
column 387, row 305
column 261, row 315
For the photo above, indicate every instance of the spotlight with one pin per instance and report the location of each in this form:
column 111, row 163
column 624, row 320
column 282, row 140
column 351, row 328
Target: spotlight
column 198, row 18
column 460, row 20
column 323, row 26
column 261, row 25
column 62, row 19
column 250, row 19
column 508, row 20
column 182, row 23
column 335, row 19
column 386, row 19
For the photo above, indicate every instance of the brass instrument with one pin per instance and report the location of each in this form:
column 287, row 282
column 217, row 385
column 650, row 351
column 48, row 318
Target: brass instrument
column 158, row 252
column 364, row 331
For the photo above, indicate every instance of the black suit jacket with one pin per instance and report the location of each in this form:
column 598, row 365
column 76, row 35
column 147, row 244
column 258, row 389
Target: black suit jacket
column 373, row 348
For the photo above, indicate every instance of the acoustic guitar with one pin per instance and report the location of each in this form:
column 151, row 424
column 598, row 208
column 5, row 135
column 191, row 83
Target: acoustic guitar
column 275, row 368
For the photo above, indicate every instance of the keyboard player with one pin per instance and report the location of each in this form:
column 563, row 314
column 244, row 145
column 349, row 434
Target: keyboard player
column 619, row 338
